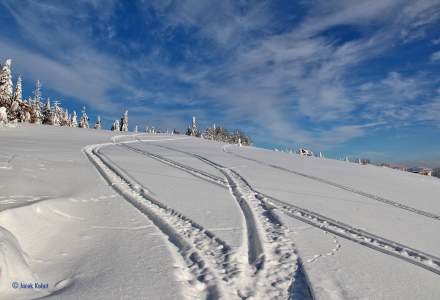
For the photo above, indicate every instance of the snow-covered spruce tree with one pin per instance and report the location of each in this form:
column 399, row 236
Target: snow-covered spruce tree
column 136, row 129
column 47, row 113
column 115, row 126
column 98, row 123
column 6, row 87
column 16, row 108
column 57, row 114
column 73, row 120
column 18, row 93
column 65, row 120
column 14, row 111
column 84, row 121
column 25, row 114
column 192, row 129
column 36, row 115
column 37, row 93
column 124, row 122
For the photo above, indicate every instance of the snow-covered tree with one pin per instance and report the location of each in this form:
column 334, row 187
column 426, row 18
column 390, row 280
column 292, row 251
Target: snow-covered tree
column 47, row 113
column 98, row 123
column 124, row 122
column 6, row 87
column 115, row 126
column 136, row 129
column 57, row 114
column 65, row 120
column 73, row 120
column 84, row 121
column 37, row 92
column 36, row 115
column 18, row 93
column 192, row 129
column 14, row 111
column 24, row 115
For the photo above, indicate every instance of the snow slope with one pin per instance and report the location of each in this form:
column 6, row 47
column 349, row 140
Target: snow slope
column 100, row 216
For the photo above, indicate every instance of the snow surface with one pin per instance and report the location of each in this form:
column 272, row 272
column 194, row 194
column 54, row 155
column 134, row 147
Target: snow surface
column 100, row 216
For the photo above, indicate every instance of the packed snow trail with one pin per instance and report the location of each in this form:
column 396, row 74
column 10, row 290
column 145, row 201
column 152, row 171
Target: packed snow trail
column 207, row 258
column 271, row 259
column 201, row 174
column 386, row 246
column 340, row 186
column 416, row 257
column 270, row 254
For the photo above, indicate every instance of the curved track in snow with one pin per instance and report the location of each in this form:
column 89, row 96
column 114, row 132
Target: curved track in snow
column 386, row 246
column 343, row 187
column 207, row 258
column 271, row 258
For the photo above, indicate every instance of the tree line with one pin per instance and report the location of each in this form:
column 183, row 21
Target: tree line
column 15, row 108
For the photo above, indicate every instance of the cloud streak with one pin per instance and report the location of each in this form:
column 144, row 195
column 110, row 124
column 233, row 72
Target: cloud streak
column 295, row 75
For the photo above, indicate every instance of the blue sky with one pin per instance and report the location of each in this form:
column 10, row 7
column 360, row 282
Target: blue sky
column 357, row 78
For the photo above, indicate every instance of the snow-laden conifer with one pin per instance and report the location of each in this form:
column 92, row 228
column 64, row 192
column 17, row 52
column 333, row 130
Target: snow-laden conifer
column 47, row 113
column 6, row 87
column 115, row 126
column 73, row 120
column 98, row 123
column 124, row 122
column 57, row 114
column 18, row 93
column 84, row 121
column 65, row 120
column 35, row 103
column 192, row 129
column 37, row 92
column 14, row 111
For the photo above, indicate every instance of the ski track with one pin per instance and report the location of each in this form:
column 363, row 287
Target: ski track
column 362, row 237
column 343, row 187
column 271, row 258
column 207, row 258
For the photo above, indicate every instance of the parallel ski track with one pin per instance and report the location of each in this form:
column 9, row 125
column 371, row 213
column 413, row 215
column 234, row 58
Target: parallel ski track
column 206, row 257
column 386, row 246
column 272, row 256
column 255, row 251
column 343, row 187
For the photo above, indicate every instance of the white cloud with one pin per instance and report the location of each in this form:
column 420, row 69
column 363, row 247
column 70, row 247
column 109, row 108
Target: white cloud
column 275, row 79
column 435, row 56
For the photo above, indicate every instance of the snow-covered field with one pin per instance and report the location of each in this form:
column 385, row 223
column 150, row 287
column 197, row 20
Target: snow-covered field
column 91, row 215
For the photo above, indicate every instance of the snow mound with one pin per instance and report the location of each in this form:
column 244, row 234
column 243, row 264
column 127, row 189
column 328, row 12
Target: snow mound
column 13, row 265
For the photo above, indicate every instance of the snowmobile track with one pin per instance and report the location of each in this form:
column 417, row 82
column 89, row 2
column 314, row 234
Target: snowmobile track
column 343, row 187
column 255, row 249
column 267, row 246
column 206, row 257
column 200, row 174
column 386, row 246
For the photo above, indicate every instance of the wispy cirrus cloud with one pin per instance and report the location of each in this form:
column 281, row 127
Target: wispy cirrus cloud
column 291, row 73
